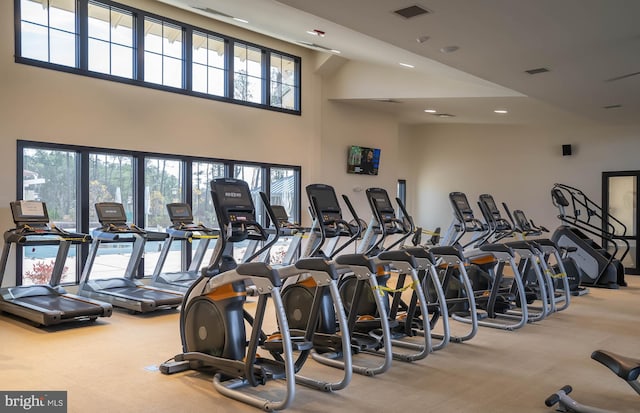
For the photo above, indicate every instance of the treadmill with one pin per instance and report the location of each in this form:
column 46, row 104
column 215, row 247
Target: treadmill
column 124, row 292
column 44, row 304
column 182, row 229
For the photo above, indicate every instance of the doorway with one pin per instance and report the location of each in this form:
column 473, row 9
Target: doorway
column 620, row 199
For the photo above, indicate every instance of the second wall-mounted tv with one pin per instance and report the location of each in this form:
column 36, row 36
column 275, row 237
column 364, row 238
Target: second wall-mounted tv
column 363, row 160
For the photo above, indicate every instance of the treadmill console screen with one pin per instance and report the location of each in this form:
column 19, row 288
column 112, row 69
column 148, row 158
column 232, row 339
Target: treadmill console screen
column 110, row 213
column 380, row 199
column 559, row 197
column 29, row 212
column 490, row 203
column 179, row 213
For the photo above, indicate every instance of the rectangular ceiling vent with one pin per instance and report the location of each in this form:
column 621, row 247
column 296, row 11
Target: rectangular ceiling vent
column 317, row 46
column 411, row 11
column 537, row 71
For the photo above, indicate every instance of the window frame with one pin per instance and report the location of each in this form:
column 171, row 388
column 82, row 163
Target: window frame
column 138, row 165
column 139, row 16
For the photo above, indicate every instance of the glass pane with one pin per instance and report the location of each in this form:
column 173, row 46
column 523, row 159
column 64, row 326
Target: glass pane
column 216, row 81
column 622, row 204
column 99, row 22
column 34, row 42
column 110, row 180
column 122, row 28
column 62, row 48
column 62, row 15
column 289, row 97
column 44, row 173
column 163, row 185
column 122, row 61
column 283, row 192
column 254, row 62
column 199, row 78
column 202, row 207
column 254, row 89
column 199, row 48
column 99, row 56
column 203, row 174
column 172, row 41
column 33, row 11
column 172, row 72
column 152, row 68
column 153, row 36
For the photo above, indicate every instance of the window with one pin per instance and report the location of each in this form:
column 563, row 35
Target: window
column 247, row 73
column 72, row 179
column 163, row 53
column 111, row 41
column 111, row 178
column 44, row 173
column 48, row 31
column 209, row 72
column 162, row 186
column 111, row 48
column 283, row 81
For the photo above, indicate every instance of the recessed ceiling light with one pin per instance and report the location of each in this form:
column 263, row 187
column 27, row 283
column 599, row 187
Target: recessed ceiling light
column 422, row 39
column 406, row 65
column 241, row 20
column 336, row 51
column 430, row 110
column 501, row 111
column 449, row 49
column 316, row 32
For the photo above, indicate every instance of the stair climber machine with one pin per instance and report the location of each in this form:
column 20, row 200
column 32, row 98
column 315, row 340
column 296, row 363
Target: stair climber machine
column 598, row 267
column 384, row 226
column 627, row 368
column 501, row 301
column 124, row 292
column 532, row 262
column 221, row 335
column 368, row 335
column 44, row 304
column 185, row 230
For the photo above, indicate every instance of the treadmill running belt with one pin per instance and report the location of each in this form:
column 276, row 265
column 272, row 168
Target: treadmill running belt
column 71, row 308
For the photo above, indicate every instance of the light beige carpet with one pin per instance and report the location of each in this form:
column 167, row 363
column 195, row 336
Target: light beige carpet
column 110, row 366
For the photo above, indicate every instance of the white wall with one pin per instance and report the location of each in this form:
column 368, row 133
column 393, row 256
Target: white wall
column 516, row 164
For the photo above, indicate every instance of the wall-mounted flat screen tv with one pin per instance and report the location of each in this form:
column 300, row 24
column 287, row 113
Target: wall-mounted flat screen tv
column 362, row 160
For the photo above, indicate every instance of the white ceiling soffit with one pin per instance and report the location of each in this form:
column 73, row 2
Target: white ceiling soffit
column 589, row 46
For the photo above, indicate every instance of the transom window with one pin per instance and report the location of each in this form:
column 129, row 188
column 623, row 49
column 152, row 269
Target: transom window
column 100, row 38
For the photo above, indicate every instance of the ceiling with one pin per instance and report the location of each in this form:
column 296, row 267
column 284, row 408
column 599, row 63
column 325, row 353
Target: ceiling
column 591, row 49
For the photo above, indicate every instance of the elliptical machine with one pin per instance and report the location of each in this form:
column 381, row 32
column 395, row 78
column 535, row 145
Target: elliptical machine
column 214, row 321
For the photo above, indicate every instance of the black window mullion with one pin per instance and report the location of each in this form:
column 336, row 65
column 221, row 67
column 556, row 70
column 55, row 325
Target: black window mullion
column 17, row 17
column 187, row 184
column 266, row 78
column 83, row 207
column 230, row 90
column 82, row 23
column 138, row 46
column 187, row 61
column 138, row 198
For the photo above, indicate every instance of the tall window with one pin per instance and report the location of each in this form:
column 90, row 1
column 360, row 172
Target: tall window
column 209, row 71
column 111, row 48
column 48, row 31
column 247, row 73
column 111, row 178
column 283, row 81
column 44, row 173
column 163, row 53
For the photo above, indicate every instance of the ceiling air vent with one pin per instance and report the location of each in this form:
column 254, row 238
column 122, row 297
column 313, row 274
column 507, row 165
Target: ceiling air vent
column 212, row 11
column 612, row 106
column 411, row 11
column 537, row 71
